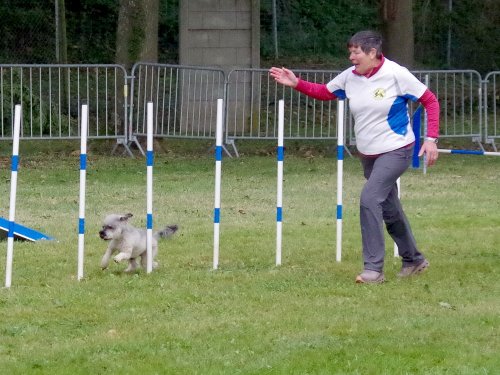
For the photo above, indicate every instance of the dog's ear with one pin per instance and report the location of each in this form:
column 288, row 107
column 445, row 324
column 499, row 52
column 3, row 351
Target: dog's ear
column 126, row 217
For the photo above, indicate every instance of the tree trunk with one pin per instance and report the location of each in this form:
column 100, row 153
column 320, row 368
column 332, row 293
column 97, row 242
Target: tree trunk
column 137, row 32
column 149, row 50
column 136, row 37
column 62, row 57
column 275, row 30
column 123, row 32
column 62, row 48
column 397, row 28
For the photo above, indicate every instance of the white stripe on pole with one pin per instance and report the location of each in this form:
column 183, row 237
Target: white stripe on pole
column 83, row 176
column 149, row 188
column 279, row 199
column 340, row 174
column 13, row 191
column 398, row 185
column 218, row 165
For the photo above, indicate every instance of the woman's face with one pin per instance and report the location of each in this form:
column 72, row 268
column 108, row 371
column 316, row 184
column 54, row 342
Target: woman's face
column 364, row 62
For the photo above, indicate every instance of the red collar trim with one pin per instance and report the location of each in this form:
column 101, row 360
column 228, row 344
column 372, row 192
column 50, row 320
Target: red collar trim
column 372, row 72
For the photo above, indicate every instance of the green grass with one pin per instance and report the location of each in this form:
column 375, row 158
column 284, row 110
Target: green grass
column 249, row 317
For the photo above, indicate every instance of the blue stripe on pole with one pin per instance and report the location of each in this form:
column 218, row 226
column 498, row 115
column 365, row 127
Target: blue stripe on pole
column 281, row 153
column 216, row 215
column 467, row 152
column 218, row 153
column 81, row 226
column 14, row 163
column 416, row 131
column 279, row 214
column 83, row 162
column 149, row 158
column 149, row 221
column 340, row 152
column 339, row 211
column 11, row 229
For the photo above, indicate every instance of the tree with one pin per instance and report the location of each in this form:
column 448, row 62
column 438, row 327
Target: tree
column 397, row 28
column 61, row 41
column 137, row 32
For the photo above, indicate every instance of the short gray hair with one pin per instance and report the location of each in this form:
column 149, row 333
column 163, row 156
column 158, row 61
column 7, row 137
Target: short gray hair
column 366, row 40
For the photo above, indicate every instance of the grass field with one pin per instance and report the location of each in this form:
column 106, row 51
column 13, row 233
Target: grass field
column 249, row 317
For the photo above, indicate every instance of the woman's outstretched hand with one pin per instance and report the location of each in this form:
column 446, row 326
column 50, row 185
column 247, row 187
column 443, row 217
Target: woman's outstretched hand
column 284, row 76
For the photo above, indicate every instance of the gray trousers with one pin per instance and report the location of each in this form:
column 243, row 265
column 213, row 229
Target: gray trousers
column 379, row 203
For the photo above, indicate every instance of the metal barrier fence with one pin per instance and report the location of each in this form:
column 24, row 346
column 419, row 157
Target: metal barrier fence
column 252, row 112
column 459, row 94
column 185, row 102
column 492, row 108
column 184, row 98
column 51, row 98
column 254, row 95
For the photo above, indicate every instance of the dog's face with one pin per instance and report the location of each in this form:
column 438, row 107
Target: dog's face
column 113, row 225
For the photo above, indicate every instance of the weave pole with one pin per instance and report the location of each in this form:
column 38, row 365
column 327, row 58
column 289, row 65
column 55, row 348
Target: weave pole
column 416, row 131
column 149, row 189
column 398, row 186
column 468, row 152
column 340, row 174
column 83, row 177
column 13, row 192
column 218, row 167
column 279, row 198
column 424, row 169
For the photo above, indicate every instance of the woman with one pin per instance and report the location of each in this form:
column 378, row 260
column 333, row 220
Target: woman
column 378, row 90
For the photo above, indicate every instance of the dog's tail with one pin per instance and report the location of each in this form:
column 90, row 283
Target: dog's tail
column 167, row 232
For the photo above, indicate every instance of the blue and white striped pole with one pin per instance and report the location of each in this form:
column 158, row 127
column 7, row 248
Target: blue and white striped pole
column 468, row 152
column 426, row 82
column 149, row 188
column 279, row 204
column 416, row 133
column 218, row 170
column 398, row 185
column 13, row 191
column 340, row 174
column 83, row 176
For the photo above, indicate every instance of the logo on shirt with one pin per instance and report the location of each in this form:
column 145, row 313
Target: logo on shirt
column 379, row 94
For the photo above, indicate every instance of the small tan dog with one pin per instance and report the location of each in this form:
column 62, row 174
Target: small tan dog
column 129, row 241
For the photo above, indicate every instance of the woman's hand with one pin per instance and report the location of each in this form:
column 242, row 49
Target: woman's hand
column 284, row 76
column 431, row 152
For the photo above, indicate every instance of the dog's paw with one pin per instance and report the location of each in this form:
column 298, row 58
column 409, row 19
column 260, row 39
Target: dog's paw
column 121, row 256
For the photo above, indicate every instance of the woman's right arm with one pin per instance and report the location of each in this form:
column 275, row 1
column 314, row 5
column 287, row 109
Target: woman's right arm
column 314, row 90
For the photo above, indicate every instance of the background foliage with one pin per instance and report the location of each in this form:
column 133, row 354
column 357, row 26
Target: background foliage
column 310, row 32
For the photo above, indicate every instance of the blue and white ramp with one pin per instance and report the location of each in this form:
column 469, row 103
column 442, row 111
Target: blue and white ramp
column 21, row 232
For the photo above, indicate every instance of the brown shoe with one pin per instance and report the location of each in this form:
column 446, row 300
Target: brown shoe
column 370, row 277
column 414, row 270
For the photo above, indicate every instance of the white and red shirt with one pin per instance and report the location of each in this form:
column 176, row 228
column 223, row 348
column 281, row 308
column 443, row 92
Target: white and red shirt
column 378, row 103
